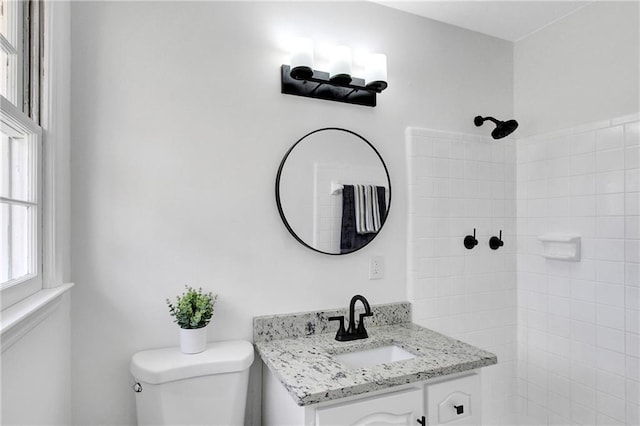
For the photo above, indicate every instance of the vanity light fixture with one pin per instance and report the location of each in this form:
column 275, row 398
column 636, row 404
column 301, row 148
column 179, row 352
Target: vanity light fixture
column 299, row 78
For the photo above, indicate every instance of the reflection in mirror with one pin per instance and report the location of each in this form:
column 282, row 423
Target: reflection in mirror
column 333, row 191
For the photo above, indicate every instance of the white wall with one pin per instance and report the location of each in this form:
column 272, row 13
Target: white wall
column 36, row 373
column 456, row 183
column 178, row 129
column 576, row 96
column 581, row 69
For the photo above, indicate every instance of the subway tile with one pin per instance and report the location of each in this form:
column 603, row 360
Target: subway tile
column 441, row 147
column 440, row 167
column 611, row 406
column 633, row 390
column 610, row 316
column 581, row 164
column 583, row 394
column 456, row 168
column 610, row 294
column 632, row 227
column 456, row 150
column 593, row 126
column 557, row 187
column 630, row 118
column 583, row 311
column 557, row 167
column 558, row 206
column 632, row 134
column 610, row 361
column 603, row 420
column 632, row 297
column 611, row 384
column 583, row 205
column 610, row 249
column 632, row 204
column 632, row 180
column 560, row 405
column 611, row 339
column 558, row 146
column 583, row 332
column 559, row 366
column 610, row 182
column 583, row 290
column 632, row 157
column 584, row 270
column 632, row 274
column 633, row 368
column 583, row 374
column 610, row 138
column 632, row 321
column 632, row 250
column 610, row 272
column 610, row 205
column 582, row 414
column 632, row 345
column 610, row 227
column 559, row 325
column 633, row 413
column 607, row 161
column 497, row 171
column 582, row 143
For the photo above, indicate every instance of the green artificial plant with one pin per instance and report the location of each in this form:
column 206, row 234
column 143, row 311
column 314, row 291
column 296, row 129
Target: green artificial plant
column 193, row 309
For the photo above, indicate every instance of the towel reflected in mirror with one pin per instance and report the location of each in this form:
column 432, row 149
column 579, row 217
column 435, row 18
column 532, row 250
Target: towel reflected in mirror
column 364, row 210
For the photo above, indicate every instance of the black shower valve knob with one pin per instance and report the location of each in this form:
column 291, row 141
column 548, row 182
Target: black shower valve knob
column 470, row 241
column 496, row 242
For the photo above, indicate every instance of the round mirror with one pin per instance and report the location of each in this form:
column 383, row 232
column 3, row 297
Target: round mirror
column 333, row 191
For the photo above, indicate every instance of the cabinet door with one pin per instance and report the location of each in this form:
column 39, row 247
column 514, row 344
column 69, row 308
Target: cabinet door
column 455, row 402
column 395, row 408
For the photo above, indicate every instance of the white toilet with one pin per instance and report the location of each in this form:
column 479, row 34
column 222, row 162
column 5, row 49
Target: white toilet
column 209, row 388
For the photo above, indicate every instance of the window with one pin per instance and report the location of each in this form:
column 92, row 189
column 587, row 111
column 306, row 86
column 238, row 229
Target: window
column 20, row 150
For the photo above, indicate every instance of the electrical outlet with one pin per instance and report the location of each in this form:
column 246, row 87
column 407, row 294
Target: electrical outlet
column 376, row 268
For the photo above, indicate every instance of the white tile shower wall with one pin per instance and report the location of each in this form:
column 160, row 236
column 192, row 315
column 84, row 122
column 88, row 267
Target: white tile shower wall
column 457, row 183
column 578, row 322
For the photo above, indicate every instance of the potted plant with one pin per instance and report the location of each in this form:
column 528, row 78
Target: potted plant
column 192, row 311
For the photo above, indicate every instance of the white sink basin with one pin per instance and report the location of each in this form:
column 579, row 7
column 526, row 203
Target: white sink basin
column 370, row 357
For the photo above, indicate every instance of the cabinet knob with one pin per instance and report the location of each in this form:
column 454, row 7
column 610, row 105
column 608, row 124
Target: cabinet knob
column 459, row 409
column 422, row 421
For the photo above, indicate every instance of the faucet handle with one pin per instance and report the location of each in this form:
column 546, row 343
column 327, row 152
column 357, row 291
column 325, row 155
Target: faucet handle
column 342, row 333
column 361, row 330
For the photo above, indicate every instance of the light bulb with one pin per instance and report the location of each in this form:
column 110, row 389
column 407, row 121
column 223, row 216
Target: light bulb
column 340, row 66
column 375, row 72
column 301, row 58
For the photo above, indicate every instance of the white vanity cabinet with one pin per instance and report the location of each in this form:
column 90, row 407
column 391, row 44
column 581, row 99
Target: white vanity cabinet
column 454, row 401
column 392, row 408
column 447, row 400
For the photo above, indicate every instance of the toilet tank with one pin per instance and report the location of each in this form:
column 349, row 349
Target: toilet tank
column 208, row 388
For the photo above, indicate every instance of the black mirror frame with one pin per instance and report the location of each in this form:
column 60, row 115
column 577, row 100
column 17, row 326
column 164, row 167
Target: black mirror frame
column 277, row 188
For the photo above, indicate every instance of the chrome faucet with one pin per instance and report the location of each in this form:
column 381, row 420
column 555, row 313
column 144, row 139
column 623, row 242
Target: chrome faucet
column 353, row 333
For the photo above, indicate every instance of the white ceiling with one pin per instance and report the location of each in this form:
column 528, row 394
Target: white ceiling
column 508, row 20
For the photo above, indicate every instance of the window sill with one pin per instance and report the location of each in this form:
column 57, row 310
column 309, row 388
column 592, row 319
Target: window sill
column 19, row 319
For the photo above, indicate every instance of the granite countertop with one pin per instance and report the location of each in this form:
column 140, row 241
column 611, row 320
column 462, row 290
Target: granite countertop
column 305, row 365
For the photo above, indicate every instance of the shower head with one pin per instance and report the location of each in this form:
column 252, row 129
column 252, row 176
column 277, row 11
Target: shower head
column 503, row 128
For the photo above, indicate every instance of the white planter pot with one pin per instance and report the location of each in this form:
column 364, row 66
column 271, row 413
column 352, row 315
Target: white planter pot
column 194, row 340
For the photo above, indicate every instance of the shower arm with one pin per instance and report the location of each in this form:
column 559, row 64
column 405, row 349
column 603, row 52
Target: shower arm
column 496, row 122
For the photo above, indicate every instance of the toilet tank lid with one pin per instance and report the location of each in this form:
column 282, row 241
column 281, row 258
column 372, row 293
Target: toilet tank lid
column 169, row 364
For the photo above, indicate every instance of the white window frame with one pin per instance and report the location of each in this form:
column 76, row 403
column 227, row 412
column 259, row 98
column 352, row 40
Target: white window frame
column 36, row 101
column 15, row 122
column 26, row 314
